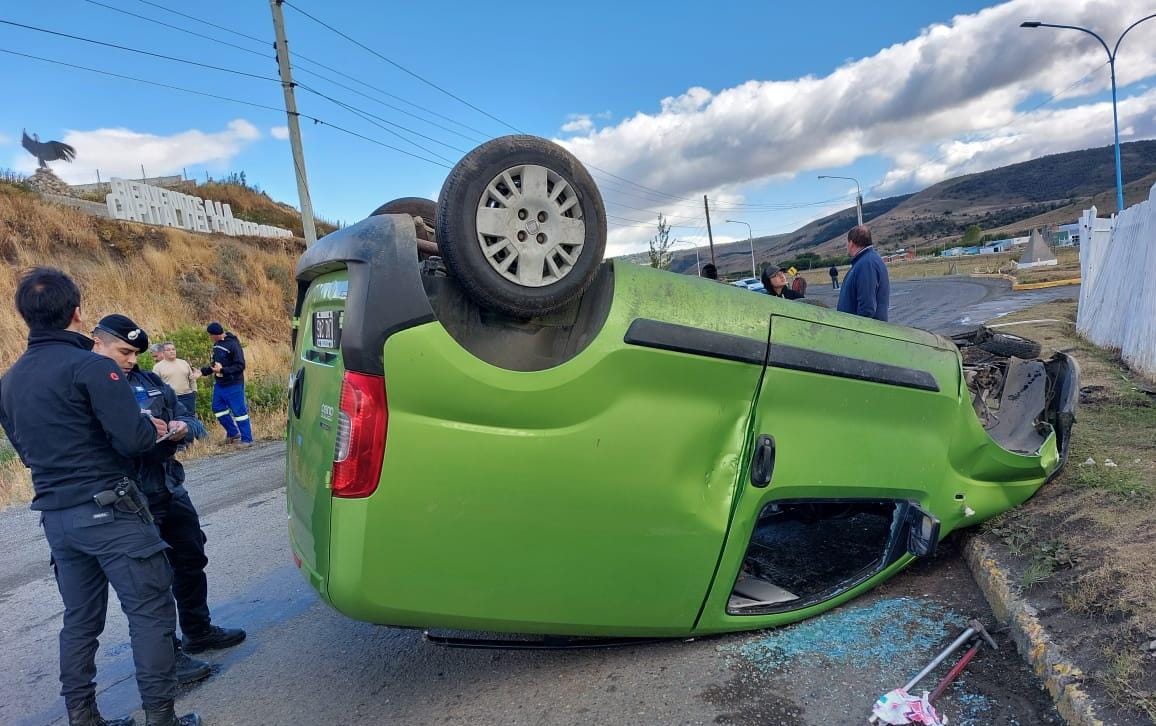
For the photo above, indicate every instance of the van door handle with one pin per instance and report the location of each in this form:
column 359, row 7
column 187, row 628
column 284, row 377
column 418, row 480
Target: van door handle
column 763, row 460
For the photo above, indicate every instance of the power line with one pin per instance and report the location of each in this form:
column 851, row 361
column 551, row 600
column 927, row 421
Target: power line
column 365, row 115
column 298, row 58
column 179, row 28
column 142, row 80
column 137, row 50
column 383, row 103
column 399, row 66
column 662, row 194
column 314, row 119
column 205, row 22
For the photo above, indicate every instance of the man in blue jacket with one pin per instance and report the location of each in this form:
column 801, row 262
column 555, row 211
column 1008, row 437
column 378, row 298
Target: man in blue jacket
column 866, row 287
column 76, row 425
column 228, row 373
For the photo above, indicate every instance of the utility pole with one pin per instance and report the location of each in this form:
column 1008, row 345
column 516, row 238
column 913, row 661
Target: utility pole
column 709, row 234
column 282, row 47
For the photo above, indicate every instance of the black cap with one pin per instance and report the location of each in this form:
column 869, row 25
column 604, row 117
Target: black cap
column 215, row 328
column 123, row 327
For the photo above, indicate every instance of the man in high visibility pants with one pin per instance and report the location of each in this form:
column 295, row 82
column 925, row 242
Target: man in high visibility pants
column 228, row 374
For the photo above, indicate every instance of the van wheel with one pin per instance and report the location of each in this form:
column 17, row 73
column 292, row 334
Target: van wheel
column 1011, row 346
column 424, row 212
column 521, row 225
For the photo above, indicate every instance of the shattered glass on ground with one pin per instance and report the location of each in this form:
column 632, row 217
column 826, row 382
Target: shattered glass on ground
column 878, row 636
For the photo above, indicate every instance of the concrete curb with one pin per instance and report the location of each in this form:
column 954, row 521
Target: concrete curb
column 1061, row 678
column 1042, row 285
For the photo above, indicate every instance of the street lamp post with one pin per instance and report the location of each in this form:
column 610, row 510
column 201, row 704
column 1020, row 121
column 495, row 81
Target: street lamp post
column 751, row 239
column 1112, row 64
column 697, row 261
column 858, row 194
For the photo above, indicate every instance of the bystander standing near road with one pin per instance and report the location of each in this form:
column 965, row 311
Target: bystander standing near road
column 834, row 273
column 866, row 287
column 178, row 375
column 228, row 373
column 77, row 426
column 182, row 378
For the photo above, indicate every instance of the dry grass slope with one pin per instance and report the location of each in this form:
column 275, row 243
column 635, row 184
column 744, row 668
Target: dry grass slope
column 255, row 206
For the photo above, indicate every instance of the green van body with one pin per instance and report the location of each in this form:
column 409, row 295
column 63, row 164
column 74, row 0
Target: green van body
column 611, row 494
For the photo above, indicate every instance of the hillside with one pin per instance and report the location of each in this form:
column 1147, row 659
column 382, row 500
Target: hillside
column 253, row 205
column 1010, row 200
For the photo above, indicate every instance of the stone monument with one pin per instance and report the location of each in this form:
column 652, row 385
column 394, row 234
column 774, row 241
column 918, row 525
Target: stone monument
column 44, row 181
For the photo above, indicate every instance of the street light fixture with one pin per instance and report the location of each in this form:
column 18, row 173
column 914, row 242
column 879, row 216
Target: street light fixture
column 858, row 194
column 1112, row 63
column 751, row 239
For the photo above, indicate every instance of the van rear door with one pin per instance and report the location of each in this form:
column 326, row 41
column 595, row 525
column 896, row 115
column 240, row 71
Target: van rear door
column 314, row 399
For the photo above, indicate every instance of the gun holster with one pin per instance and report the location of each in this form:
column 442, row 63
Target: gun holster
column 126, row 497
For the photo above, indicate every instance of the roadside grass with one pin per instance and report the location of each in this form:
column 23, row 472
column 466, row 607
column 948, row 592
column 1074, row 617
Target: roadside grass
column 1086, row 539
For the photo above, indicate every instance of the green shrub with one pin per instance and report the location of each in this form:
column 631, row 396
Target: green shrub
column 267, row 393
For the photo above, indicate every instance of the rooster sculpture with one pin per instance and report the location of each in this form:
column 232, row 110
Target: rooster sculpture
column 45, row 151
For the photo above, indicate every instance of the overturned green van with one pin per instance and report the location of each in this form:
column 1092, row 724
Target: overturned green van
column 659, row 455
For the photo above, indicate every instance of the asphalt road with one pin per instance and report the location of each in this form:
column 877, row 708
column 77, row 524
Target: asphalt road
column 305, row 664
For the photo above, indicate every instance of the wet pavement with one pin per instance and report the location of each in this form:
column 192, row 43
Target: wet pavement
column 305, row 664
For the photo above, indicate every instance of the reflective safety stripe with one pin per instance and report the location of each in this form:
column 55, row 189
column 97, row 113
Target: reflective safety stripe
column 220, row 414
column 242, row 418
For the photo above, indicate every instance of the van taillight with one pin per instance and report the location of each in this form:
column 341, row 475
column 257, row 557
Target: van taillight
column 361, row 428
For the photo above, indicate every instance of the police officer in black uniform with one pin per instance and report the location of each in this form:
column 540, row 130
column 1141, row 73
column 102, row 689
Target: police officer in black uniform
column 162, row 479
column 76, row 425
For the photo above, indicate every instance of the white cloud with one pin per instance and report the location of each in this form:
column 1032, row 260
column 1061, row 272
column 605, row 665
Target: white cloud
column 943, row 103
column 122, row 152
column 579, row 123
column 5, row 139
column 279, row 132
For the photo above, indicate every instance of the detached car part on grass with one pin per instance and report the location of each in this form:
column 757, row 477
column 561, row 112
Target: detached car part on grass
column 478, row 446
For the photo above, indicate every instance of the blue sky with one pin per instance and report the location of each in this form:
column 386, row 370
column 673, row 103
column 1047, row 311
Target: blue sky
column 744, row 102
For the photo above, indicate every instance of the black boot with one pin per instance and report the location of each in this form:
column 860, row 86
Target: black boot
column 191, row 670
column 215, row 638
column 89, row 715
column 167, row 716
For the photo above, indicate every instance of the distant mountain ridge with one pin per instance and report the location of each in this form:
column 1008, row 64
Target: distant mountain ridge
column 1011, row 199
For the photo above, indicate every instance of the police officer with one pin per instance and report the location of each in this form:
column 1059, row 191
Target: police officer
column 228, row 373
column 75, row 424
column 162, row 479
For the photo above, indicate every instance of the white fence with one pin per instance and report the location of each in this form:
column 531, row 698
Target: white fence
column 1117, row 292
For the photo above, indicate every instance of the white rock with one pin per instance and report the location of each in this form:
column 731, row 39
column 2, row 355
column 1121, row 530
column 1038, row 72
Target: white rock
column 1109, row 463
column 1089, row 462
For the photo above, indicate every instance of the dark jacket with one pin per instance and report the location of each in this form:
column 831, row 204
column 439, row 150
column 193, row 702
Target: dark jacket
column 161, row 476
column 786, row 292
column 72, row 419
column 866, row 288
column 833, row 272
column 228, row 353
